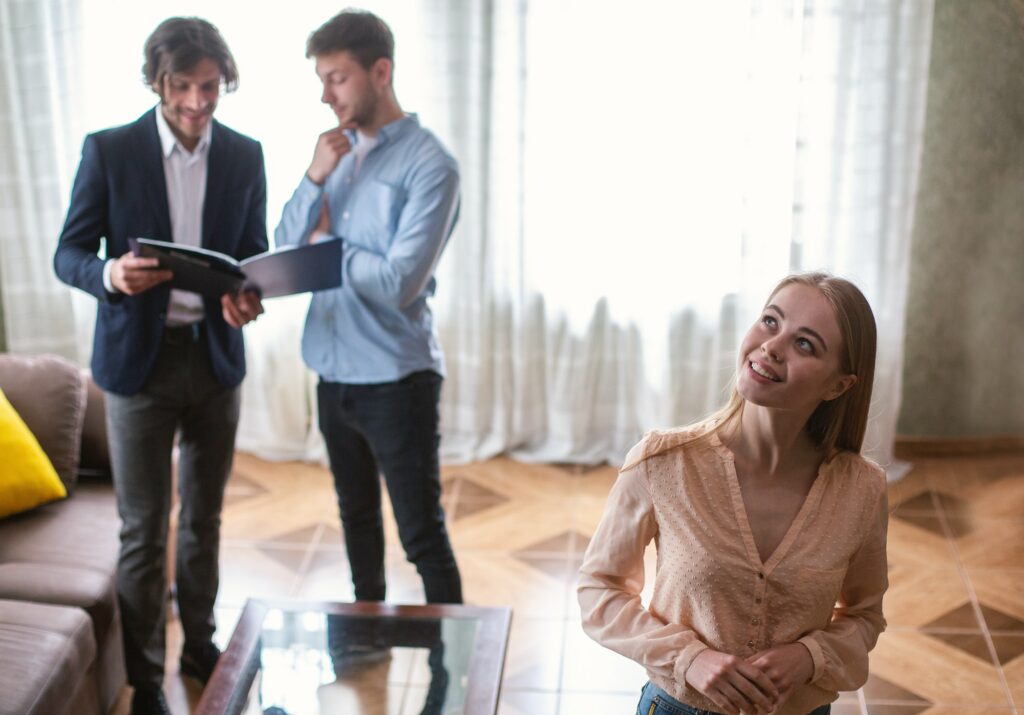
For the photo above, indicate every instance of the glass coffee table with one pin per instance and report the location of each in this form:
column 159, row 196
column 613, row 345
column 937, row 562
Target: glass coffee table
column 312, row 658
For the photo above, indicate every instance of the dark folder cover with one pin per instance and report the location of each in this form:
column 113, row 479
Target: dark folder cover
column 294, row 269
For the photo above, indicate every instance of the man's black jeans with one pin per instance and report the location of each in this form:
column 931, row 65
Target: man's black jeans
column 390, row 428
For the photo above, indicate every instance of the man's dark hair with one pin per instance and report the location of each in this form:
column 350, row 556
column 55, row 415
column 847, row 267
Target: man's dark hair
column 179, row 43
column 363, row 34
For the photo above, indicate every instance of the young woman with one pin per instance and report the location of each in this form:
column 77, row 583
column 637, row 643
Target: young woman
column 769, row 526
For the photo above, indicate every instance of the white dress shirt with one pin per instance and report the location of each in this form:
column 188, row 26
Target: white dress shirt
column 185, row 174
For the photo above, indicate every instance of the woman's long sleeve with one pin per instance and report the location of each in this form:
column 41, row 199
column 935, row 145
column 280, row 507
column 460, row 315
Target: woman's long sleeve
column 612, row 577
column 840, row 650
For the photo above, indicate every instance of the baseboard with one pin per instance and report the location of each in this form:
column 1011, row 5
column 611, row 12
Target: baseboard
column 919, row 447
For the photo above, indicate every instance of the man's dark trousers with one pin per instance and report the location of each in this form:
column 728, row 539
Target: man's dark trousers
column 181, row 393
column 390, row 428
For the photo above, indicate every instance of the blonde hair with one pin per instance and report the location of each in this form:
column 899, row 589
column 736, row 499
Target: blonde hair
column 835, row 425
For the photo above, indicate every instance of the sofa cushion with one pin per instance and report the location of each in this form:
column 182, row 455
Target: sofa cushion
column 95, row 592
column 80, row 531
column 27, row 479
column 45, row 652
column 49, row 394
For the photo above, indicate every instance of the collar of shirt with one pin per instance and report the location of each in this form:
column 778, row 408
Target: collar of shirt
column 364, row 143
column 168, row 141
column 389, row 132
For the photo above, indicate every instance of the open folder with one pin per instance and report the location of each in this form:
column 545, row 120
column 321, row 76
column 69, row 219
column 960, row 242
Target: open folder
column 294, row 269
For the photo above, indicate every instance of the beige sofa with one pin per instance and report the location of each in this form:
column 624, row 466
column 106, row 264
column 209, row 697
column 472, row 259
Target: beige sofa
column 60, row 632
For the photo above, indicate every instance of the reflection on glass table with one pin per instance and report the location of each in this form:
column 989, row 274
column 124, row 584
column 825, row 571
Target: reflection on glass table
column 314, row 658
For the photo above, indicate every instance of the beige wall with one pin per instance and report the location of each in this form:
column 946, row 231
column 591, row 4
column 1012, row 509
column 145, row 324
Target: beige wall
column 964, row 362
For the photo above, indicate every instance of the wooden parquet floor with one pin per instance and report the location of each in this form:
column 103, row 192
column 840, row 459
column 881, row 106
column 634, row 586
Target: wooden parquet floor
column 955, row 642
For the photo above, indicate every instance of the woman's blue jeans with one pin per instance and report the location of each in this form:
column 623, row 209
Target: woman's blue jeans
column 655, row 701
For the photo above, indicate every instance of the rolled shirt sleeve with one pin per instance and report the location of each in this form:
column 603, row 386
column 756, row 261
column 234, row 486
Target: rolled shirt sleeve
column 395, row 212
column 300, row 214
column 399, row 276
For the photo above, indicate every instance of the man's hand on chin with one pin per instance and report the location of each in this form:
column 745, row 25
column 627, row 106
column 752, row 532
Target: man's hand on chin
column 331, row 146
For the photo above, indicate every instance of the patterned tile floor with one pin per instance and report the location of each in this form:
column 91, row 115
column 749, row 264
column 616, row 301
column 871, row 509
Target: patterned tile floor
column 955, row 642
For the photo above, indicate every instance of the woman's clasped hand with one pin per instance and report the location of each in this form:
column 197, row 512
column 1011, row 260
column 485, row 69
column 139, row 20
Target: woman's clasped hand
column 758, row 684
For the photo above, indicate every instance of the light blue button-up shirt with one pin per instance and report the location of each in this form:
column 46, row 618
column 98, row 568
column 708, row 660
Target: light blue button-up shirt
column 395, row 218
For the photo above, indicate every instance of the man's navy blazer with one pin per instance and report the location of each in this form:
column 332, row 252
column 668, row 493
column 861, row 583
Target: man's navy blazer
column 120, row 193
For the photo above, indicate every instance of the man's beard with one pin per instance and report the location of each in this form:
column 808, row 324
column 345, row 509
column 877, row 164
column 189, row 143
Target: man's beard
column 364, row 112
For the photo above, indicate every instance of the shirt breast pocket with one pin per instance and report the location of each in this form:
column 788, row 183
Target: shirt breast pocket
column 377, row 210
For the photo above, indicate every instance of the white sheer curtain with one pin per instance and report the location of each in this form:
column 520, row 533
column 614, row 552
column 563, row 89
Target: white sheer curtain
column 639, row 179
column 635, row 179
column 38, row 102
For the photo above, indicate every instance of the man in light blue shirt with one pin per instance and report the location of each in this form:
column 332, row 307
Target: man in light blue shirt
column 390, row 190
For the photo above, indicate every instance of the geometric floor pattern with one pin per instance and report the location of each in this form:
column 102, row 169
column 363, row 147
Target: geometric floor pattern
column 955, row 606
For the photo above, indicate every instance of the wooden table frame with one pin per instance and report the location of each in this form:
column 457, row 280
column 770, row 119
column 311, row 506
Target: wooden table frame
column 231, row 682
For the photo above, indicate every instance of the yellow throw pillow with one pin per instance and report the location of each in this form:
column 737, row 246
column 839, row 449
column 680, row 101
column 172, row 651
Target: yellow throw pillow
column 27, row 479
